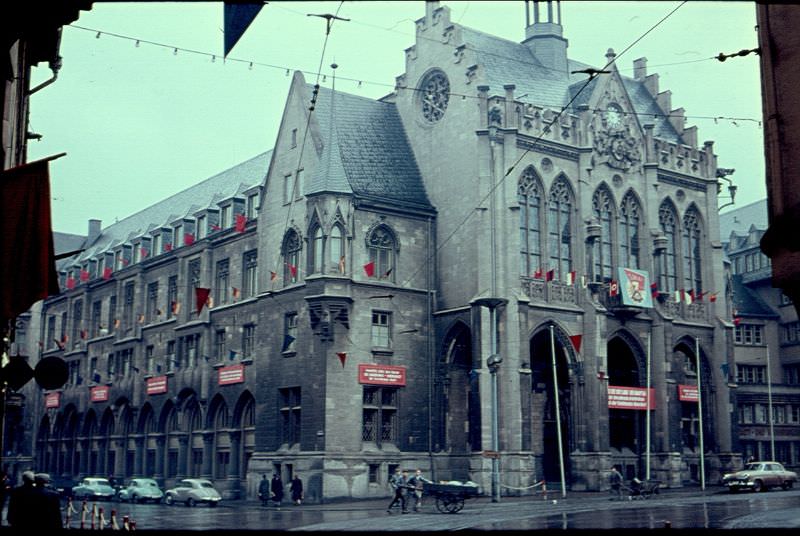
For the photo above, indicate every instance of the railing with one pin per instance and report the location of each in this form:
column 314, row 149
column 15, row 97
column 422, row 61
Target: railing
column 548, row 291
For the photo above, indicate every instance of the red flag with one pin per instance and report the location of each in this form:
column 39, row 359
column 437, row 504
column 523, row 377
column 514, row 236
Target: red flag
column 201, row 295
column 70, row 282
column 613, row 288
column 107, row 273
column 84, row 275
column 550, row 275
column 369, row 268
column 342, row 357
column 84, row 334
column 576, row 342
column 167, row 247
column 736, row 320
column 273, row 275
column 29, row 274
column 654, row 289
column 293, row 270
column 188, row 239
column 176, row 307
column 215, row 227
column 537, row 274
column 236, row 292
column 241, row 222
column 143, row 252
column 713, row 297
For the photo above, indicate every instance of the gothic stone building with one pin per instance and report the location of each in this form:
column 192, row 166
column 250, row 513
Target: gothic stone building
column 364, row 270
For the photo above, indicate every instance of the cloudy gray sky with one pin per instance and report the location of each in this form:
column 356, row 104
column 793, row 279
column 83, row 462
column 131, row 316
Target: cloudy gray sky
column 140, row 122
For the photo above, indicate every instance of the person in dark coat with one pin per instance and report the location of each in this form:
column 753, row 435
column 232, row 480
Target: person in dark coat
column 48, row 504
column 263, row 490
column 399, row 483
column 277, row 489
column 615, row 484
column 22, row 504
column 296, row 487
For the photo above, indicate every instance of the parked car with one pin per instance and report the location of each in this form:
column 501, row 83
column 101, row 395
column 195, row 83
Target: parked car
column 93, row 488
column 191, row 491
column 760, row 476
column 140, row 490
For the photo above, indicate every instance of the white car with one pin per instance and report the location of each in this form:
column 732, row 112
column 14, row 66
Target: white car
column 191, row 491
column 760, row 476
column 141, row 490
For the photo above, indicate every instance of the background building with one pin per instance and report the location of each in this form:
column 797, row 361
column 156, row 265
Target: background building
column 330, row 307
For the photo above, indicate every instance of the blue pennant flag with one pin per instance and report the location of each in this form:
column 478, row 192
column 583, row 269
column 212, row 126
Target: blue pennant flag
column 79, row 380
column 238, row 17
column 158, row 369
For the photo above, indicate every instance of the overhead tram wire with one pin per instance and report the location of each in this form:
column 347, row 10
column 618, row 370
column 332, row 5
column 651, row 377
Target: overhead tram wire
column 535, row 142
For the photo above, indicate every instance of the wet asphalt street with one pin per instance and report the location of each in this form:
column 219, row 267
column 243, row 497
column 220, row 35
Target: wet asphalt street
column 679, row 509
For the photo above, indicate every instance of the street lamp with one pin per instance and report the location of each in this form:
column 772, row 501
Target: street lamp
column 493, row 363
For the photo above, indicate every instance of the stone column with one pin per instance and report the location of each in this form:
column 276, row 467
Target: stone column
column 208, row 454
column 161, row 452
column 183, row 458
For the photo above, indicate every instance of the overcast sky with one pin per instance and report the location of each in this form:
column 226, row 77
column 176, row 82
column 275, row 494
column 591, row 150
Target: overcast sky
column 142, row 122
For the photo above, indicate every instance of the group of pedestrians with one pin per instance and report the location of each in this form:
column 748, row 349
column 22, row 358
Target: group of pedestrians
column 271, row 491
column 35, row 504
column 403, row 486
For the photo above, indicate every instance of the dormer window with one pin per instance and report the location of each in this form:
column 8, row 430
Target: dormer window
column 177, row 235
column 202, row 226
column 225, row 220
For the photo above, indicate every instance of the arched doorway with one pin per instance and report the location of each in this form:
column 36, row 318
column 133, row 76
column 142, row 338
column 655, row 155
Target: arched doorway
column 626, row 426
column 545, row 443
column 461, row 396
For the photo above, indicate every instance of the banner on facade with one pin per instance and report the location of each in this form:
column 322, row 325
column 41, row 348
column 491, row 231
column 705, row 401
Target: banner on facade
column 156, row 385
column 381, row 375
column 620, row 397
column 688, row 393
column 52, row 400
column 99, row 393
column 231, row 374
column 635, row 287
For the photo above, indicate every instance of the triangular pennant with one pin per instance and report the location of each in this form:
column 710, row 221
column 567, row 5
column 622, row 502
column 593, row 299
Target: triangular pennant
column 342, row 357
column 654, row 289
column 550, row 275
column 537, row 274
column 167, row 247
column 232, row 355
column 201, row 298
column 237, row 17
column 143, row 252
column 576, row 342
column 369, row 268
column 713, row 297
column 70, row 283
column 388, row 273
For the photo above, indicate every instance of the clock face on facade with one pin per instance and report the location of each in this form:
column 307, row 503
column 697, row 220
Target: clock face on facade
column 434, row 95
column 613, row 115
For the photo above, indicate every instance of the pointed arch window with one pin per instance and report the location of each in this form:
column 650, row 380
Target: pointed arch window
column 291, row 257
column 382, row 252
column 629, row 224
column 603, row 211
column 668, row 278
column 530, row 213
column 692, row 232
column 559, row 229
column 336, row 249
column 315, row 252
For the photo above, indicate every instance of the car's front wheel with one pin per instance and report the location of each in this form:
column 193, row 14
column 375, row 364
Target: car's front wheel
column 169, row 500
column 758, row 486
column 190, row 502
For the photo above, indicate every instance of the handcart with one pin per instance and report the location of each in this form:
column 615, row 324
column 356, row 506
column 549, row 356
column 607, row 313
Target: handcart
column 450, row 497
column 643, row 490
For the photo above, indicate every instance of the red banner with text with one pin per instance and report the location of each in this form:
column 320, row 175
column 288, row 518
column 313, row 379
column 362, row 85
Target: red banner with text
column 99, row 393
column 52, row 400
column 156, row 385
column 381, row 374
column 231, row 374
column 688, row 393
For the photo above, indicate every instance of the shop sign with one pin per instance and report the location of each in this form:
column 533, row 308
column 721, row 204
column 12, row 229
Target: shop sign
column 52, row 400
column 371, row 374
column 231, row 374
column 620, row 397
column 99, row 393
column 156, row 385
column 688, row 393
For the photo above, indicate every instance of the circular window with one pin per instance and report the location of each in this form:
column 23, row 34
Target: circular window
column 434, row 95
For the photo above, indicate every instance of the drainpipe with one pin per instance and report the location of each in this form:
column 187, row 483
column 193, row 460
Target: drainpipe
column 55, row 66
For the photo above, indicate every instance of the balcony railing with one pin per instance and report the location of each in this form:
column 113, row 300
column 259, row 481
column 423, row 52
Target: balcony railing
column 539, row 290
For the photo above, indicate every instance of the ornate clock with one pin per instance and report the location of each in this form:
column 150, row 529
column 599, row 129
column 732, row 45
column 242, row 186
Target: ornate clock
column 613, row 115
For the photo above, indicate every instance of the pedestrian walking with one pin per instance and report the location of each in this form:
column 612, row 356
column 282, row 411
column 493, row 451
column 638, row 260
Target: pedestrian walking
column 296, row 487
column 263, row 490
column 615, row 483
column 276, row 487
column 399, row 483
column 48, row 503
column 416, row 483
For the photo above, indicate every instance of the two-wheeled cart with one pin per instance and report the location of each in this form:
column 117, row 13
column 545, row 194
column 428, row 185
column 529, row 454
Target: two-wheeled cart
column 450, row 497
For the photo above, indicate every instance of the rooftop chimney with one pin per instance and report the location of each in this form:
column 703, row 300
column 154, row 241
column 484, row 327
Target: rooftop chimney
column 94, row 231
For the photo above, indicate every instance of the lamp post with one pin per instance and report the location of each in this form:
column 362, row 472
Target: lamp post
column 769, row 411
column 700, row 413
column 493, row 363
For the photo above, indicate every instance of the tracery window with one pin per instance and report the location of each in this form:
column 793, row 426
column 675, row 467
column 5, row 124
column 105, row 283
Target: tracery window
column 382, row 245
column 315, row 251
column 603, row 212
column 668, row 278
column 559, row 229
column 629, row 223
column 692, row 272
column 530, row 212
column 336, row 249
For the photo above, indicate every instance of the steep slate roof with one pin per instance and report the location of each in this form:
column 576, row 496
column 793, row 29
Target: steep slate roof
column 508, row 62
column 64, row 243
column 740, row 219
column 203, row 194
column 747, row 302
column 367, row 152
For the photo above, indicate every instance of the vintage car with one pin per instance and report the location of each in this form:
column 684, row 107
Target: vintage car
column 140, row 490
column 760, row 476
column 93, row 488
column 191, row 491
